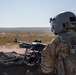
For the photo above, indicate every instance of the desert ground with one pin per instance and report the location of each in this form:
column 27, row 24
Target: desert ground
column 7, row 37
column 11, row 48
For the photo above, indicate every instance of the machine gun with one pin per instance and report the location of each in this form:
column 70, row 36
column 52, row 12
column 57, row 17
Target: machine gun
column 32, row 57
column 35, row 45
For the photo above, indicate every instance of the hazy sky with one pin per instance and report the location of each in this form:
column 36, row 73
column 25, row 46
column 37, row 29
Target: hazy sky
column 32, row 13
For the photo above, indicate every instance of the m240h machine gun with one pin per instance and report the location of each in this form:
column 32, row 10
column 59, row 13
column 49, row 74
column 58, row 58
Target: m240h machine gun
column 33, row 52
column 32, row 56
column 35, row 45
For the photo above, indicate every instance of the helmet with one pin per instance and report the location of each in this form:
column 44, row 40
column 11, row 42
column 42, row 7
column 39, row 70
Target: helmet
column 63, row 22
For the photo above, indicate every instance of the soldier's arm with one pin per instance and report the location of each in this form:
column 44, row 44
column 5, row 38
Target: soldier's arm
column 48, row 58
column 57, row 47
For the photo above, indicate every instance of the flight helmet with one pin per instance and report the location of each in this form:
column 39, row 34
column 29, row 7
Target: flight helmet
column 62, row 22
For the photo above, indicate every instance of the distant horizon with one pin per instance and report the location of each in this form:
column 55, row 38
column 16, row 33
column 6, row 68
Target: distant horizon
column 24, row 27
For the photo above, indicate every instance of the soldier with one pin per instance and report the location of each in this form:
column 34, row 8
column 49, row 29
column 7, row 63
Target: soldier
column 59, row 57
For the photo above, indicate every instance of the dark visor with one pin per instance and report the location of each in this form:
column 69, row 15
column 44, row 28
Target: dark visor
column 72, row 19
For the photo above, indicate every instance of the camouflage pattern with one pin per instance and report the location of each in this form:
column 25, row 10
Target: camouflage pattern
column 58, row 58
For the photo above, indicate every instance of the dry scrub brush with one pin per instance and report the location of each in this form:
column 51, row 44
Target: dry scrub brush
column 26, row 36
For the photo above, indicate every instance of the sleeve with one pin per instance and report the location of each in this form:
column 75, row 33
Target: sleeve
column 48, row 58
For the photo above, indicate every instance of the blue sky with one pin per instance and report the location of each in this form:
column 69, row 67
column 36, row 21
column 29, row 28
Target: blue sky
column 32, row 13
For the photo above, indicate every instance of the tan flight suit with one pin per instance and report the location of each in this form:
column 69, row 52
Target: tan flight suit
column 57, row 47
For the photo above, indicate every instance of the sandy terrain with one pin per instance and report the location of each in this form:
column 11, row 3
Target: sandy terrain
column 12, row 47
